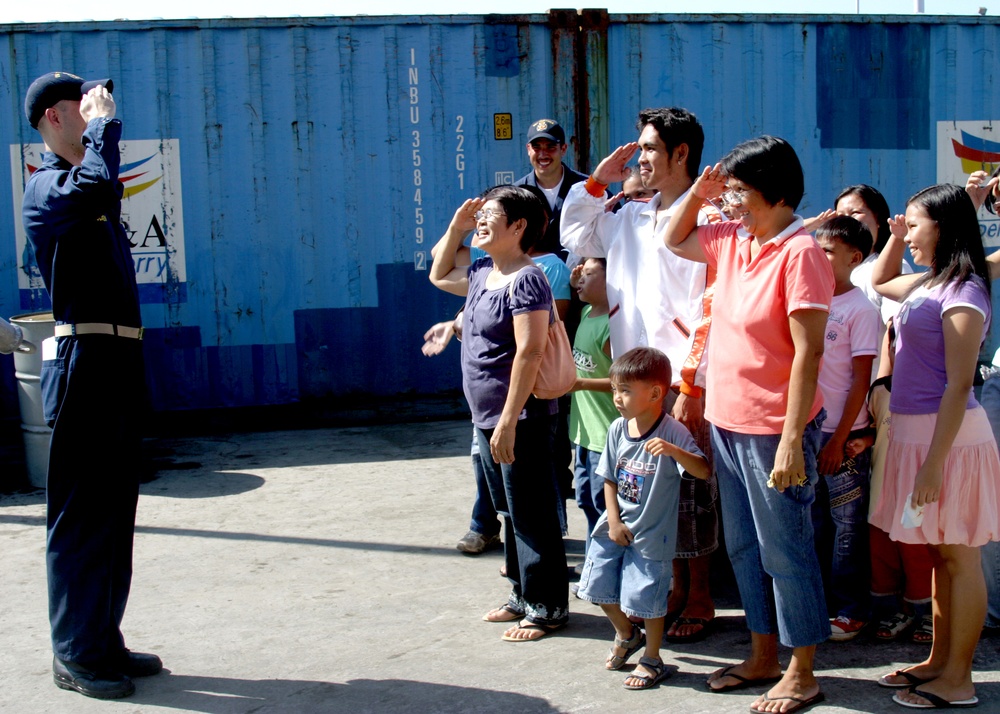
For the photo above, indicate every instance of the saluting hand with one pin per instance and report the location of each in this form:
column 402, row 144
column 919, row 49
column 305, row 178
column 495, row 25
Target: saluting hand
column 979, row 187
column 612, row 168
column 897, row 226
column 97, row 103
column 711, row 184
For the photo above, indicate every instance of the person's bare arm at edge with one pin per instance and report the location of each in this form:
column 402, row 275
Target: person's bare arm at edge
column 962, row 327
column 887, row 277
column 682, row 231
column 531, row 331
column 445, row 274
column 993, row 263
column 808, row 328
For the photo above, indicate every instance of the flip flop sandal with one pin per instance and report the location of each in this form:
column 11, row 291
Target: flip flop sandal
column 509, row 614
column 799, row 705
column 698, row 636
column 656, row 666
column 742, row 682
column 936, row 702
column 912, row 680
column 632, row 645
column 542, row 631
column 891, row 629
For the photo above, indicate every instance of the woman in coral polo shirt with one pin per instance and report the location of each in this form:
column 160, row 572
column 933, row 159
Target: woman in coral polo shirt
column 773, row 292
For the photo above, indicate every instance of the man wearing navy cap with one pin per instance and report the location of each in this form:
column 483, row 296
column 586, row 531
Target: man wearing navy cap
column 93, row 382
column 546, row 149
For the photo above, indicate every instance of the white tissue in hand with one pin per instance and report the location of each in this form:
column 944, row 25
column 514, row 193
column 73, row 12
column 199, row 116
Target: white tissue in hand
column 912, row 517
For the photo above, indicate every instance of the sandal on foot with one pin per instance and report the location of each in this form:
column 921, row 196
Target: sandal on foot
column 912, row 680
column 891, row 629
column 936, row 702
column 696, row 636
column 504, row 613
column 741, row 682
column 924, row 634
column 799, row 705
column 656, row 666
column 632, row 645
column 536, row 631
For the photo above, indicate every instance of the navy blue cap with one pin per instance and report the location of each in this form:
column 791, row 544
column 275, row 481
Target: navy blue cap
column 547, row 129
column 51, row 88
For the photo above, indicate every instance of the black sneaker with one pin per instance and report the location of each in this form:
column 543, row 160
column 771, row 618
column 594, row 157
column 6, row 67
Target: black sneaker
column 90, row 683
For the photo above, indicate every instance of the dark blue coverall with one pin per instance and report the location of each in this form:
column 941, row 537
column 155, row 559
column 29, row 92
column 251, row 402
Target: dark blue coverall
column 93, row 394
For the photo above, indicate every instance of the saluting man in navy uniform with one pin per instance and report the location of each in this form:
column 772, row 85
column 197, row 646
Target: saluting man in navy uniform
column 92, row 382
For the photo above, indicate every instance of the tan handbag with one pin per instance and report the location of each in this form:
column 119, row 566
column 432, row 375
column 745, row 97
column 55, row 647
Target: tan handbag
column 557, row 373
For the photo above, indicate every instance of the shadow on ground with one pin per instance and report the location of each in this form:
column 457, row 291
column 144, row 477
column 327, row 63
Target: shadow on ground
column 216, row 695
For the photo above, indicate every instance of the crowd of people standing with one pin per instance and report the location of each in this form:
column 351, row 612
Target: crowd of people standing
column 749, row 354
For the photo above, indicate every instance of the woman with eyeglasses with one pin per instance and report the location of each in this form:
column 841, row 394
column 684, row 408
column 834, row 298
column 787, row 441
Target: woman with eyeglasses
column 508, row 308
column 773, row 291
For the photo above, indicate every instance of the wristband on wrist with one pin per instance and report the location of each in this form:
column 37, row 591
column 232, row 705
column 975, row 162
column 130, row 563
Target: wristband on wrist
column 691, row 390
column 594, row 187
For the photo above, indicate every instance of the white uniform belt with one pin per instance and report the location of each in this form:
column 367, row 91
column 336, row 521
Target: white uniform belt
column 99, row 328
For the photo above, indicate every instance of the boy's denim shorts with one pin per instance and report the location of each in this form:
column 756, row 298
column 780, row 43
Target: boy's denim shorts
column 618, row 575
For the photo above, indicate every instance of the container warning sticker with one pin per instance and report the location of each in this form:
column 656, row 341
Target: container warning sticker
column 503, row 127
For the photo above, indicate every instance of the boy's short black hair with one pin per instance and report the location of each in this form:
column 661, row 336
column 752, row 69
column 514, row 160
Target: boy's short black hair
column 603, row 262
column 849, row 231
column 641, row 364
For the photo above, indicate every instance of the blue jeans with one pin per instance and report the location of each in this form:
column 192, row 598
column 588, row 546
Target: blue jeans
column 840, row 519
column 589, row 487
column 524, row 492
column 484, row 515
column 769, row 537
column 991, row 551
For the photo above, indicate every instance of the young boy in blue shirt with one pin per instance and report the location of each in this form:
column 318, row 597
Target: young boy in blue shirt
column 629, row 562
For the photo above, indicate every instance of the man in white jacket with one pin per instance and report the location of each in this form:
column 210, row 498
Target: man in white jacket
column 659, row 300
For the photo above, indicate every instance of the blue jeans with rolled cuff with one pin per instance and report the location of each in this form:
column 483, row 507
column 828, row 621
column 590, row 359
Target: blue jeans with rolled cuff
column 769, row 536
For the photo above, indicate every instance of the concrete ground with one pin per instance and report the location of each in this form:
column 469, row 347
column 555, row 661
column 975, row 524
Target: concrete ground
column 316, row 571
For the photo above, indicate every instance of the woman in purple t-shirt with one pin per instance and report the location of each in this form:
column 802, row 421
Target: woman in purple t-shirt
column 508, row 307
column 943, row 486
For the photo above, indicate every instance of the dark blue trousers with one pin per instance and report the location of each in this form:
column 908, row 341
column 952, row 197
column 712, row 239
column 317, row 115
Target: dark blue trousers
column 94, row 396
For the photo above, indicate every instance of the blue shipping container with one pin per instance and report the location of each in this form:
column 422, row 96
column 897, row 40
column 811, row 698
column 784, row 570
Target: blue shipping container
column 287, row 178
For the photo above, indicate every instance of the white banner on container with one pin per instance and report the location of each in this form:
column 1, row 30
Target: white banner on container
column 152, row 213
column 964, row 147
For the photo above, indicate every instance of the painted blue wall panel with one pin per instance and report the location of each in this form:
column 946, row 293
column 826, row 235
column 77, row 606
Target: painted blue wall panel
column 874, row 86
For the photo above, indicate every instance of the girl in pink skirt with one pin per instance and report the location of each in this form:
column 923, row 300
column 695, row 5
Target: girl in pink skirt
column 942, row 480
